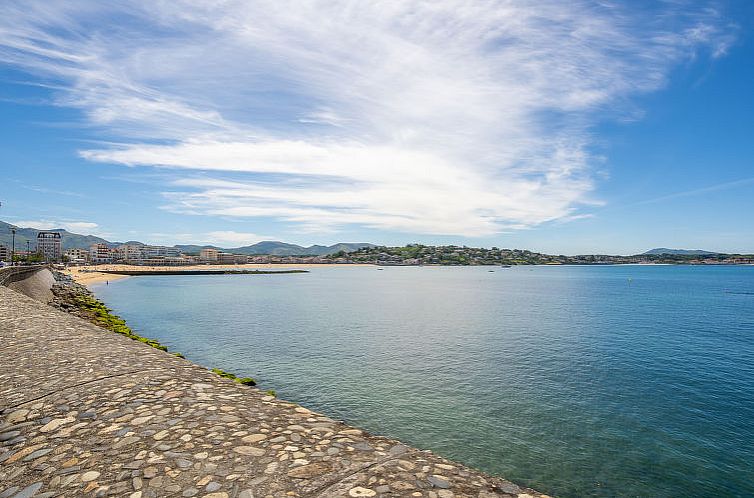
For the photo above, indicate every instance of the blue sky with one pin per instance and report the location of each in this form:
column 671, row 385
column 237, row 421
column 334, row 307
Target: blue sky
column 576, row 127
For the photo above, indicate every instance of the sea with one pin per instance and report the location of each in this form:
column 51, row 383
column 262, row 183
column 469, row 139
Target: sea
column 572, row 380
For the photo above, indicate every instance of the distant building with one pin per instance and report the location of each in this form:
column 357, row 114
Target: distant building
column 160, row 251
column 164, row 261
column 143, row 254
column 49, row 245
column 227, row 258
column 209, row 254
column 129, row 253
column 4, row 253
column 100, row 253
column 77, row 255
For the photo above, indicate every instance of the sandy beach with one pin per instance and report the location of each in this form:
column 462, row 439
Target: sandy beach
column 88, row 275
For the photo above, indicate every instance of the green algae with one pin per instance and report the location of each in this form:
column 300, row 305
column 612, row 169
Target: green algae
column 247, row 381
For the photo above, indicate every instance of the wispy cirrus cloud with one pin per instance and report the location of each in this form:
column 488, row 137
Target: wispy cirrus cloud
column 221, row 238
column 700, row 191
column 443, row 117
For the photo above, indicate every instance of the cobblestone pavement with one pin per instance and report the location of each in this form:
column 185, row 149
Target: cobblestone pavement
column 86, row 412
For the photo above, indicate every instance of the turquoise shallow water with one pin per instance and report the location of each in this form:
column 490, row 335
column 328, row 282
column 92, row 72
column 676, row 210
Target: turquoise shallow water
column 577, row 381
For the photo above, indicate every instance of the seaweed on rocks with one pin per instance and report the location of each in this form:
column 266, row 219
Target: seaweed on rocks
column 74, row 298
column 247, row 381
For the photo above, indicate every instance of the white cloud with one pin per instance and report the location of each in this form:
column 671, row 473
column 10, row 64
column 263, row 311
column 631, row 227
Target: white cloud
column 221, row 238
column 231, row 238
column 82, row 227
column 444, row 117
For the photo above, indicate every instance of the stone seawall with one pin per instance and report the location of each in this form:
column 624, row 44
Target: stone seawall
column 36, row 284
column 11, row 274
column 86, row 412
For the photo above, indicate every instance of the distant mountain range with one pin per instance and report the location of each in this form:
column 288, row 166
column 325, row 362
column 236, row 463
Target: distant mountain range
column 281, row 248
column 680, row 252
column 69, row 240
column 74, row 240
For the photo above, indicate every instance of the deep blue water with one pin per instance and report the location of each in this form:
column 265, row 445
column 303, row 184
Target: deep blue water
column 576, row 381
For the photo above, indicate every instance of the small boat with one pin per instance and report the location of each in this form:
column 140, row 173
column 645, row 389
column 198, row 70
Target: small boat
column 505, row 266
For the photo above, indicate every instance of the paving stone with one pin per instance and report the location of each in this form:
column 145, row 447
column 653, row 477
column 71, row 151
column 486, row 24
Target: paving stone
column 150, row 472
column 213, row 486
column 17, row 416
column 358, row 491
column 9, row 435
column 9, row 492
column 308, row 471
column 90, row 476
column 36, row 454
column 249, row 450
column 29, row 491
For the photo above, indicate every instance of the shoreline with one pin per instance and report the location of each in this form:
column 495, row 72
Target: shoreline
column 89, row 275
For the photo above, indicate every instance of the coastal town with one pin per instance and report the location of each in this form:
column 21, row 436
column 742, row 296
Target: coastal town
column 49, row 247
column 376, row 249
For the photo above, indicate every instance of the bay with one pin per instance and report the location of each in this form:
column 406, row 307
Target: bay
column 576, row 381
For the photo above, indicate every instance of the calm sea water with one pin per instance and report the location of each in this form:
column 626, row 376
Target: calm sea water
column 577, row 381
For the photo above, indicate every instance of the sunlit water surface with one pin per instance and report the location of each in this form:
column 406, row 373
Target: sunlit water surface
column 603, row 381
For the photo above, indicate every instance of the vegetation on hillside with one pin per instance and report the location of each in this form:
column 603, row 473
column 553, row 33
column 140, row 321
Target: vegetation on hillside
column 418, row 254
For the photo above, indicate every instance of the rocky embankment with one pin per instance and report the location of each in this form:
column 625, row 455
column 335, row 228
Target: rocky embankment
column 72, row 297
column 86, row 412
column 67, row 294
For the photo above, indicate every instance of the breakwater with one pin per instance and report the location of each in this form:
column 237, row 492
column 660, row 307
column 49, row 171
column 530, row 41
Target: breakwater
column 87, row 412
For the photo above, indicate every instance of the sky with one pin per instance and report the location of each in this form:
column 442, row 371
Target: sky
column 588, row 126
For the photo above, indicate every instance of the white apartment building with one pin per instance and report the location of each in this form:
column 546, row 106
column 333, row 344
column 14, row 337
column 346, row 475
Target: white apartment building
column 4, row 253
column 144, row 254
column 49, row 245
column 160, row 251
column 209, row 254
column 99, row 253
column 129, row 253
column 77, row 255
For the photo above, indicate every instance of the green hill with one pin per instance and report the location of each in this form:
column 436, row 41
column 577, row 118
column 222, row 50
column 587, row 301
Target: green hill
column 680, row 252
